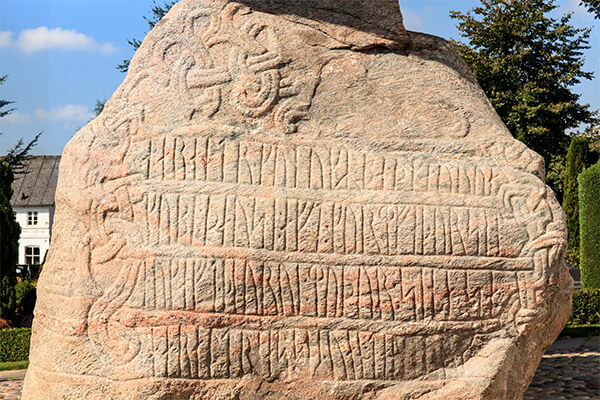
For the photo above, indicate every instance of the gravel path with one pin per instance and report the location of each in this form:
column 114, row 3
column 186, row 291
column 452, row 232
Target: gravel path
column 570, row 369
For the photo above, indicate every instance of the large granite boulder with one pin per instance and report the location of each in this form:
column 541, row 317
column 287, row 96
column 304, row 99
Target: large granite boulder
column 296, row 200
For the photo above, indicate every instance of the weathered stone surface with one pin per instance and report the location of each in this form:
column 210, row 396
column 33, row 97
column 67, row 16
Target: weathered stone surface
column 292, row 200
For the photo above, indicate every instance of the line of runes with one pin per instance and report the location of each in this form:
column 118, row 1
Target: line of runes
column 274, row 230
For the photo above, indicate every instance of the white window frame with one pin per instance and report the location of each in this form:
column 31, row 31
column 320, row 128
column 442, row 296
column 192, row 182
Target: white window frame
column 32, row 218
column 31, row 258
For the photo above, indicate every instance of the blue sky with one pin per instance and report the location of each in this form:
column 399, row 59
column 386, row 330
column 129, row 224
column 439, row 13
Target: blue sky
column 60, row 57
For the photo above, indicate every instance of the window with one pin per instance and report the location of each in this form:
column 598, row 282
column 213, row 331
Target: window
column 32, row 255
column 32, row 218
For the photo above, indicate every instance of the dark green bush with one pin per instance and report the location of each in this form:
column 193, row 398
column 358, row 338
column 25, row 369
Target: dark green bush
column 578, row 159
column 573, row 257
column 586, row 307
column 14, row 344
column 26, row 296
column 589, row 226
column 9, row 244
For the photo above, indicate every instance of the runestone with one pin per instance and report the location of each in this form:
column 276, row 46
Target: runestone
column 297, row 200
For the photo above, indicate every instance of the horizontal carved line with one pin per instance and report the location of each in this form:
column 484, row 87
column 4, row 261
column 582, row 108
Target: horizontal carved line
column 96, row 380
column 156, row 318
column 371, row 197
column 450, row 262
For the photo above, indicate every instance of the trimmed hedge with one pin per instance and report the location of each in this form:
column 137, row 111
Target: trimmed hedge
column 578, row 159
column 14, row 344
column 589, row 226
column 586, row 307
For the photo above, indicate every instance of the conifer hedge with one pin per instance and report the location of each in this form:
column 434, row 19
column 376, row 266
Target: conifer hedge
column 578, row 159
column 14, row 344
column 589, row 225
column 586, row 307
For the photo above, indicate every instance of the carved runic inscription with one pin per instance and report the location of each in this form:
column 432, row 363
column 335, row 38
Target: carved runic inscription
column 290, row 239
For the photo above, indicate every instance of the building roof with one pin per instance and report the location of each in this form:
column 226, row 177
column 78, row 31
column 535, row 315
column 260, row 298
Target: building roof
column 36, row 184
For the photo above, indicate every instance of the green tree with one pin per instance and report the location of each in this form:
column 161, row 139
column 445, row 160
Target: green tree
column 99, row 107
column 17, row 154
column 10, row 230
column 9, row 244
column 4, row 103
column 593, row 7
column 527, row 62
column 592, row 133
column 156, row 14
column 578, row 159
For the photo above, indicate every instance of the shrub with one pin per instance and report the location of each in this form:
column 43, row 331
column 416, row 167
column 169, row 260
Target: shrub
column 14, row 344
column 589, row 224
column 7, row 297
column 573, row 257
column 26, row 296
column 586, row 307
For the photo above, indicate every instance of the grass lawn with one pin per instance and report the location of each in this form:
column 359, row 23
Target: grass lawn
column 10, row 365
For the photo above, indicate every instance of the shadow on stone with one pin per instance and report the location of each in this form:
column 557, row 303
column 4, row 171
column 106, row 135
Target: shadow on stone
column 382, row 18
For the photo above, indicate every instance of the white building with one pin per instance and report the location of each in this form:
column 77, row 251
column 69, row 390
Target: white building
column 33, row 203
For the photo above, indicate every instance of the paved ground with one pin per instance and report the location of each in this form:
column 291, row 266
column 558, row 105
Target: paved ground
column 10, row 390
column 570, row 370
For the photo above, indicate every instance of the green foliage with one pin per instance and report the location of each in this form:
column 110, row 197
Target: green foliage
column 555, row 172
column 156, row 14
column 578, row 159
column 592, row 133
column 586, row 307
column 9, row 244
column 593, row 7
column 10, row 230
column 527, row 63
column 99, row 107
column 25, row 292
column 573, row 257
column 589, row 226
column 4, row 103
column 14, row 344
column 17, row 154
column 8, row 302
